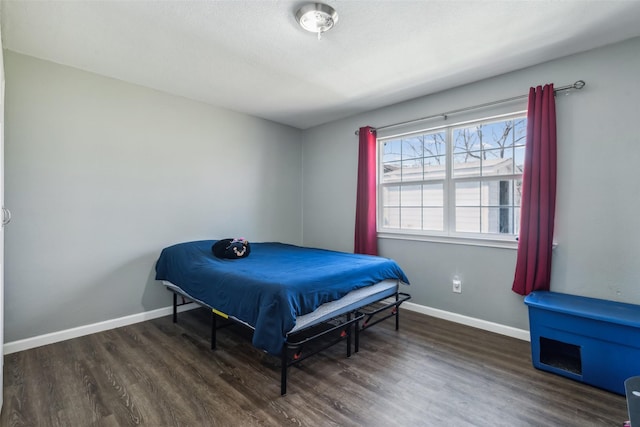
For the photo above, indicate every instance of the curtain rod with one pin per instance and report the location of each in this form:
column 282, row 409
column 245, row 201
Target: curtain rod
column 577, row 85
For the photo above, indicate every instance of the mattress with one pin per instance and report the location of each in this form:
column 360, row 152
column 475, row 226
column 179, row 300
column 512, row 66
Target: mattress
column 348, row 303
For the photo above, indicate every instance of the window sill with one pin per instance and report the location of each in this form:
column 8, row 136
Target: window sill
column 468, row 241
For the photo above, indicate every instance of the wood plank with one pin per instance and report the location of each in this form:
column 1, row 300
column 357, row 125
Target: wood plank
column 431, row 372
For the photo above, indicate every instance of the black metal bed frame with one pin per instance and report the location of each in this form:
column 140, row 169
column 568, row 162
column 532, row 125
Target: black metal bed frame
column 292, row 350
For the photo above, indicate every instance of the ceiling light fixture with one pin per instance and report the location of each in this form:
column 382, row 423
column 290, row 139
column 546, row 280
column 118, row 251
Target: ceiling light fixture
column 317, row 18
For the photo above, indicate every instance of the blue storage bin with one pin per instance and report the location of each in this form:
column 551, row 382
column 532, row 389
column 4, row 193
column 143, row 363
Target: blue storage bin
column 590, row 340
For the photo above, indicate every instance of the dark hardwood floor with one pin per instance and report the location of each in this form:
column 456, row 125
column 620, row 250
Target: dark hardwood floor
column 430, row 373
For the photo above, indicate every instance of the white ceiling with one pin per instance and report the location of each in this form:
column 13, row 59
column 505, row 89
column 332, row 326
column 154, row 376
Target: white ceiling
column 252, row 57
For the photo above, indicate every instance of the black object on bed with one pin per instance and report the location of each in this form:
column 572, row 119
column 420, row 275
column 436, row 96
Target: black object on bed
column 231, row 248
column 282, row 290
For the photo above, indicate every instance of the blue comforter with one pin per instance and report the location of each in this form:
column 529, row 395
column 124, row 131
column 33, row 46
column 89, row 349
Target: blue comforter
column 272, row 286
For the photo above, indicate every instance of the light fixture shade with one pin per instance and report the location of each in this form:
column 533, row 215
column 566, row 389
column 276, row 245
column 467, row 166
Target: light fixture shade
column 317, row 17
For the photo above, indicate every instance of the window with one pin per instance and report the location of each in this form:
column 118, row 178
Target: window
column 462, row 180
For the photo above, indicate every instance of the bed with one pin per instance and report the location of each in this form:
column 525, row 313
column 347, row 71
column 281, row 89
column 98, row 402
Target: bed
column 282, row 292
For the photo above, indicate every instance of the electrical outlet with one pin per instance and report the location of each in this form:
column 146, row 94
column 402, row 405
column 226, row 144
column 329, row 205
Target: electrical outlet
column 457, row 285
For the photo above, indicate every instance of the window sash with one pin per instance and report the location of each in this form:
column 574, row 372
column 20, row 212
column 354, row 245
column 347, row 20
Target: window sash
column 416, row 169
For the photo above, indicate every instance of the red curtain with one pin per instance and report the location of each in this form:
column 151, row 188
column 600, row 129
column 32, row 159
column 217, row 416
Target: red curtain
column 366, row 240
column 535, row 243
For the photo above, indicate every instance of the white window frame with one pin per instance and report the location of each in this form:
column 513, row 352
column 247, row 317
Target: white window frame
column 448, row 235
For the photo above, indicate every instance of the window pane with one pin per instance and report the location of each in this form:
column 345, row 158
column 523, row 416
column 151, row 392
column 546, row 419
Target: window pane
column 391, row 151
column 433, row 219
column 411, row 218
column 412, row 147
column 412, row 170
column 391, row 217
column 466, row 139
column 468, row 220
column 490, row 193
column 392, row 172
column 496, row 134
column 391, row 196
column 488, row 220
column 517, row 192
column 433, row 195
column 497, row 193
column 467, row 164
column 519, row 159
column 497, row 220
column 435, row 167
column 505, row 193
column 507, row 220
column 497, row 162
column 411, row 195
column 434, row 144
column 468, row 193
column 520, row 131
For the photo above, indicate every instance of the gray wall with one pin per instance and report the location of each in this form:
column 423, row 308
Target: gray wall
column 597, row 225
column 101, row 175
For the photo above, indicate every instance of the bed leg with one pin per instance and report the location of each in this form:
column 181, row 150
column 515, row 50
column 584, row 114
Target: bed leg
column 283, row 371
column 356, row 346
column 348, row 335
column 175, row 308
column 397, row 309
column 213, row 330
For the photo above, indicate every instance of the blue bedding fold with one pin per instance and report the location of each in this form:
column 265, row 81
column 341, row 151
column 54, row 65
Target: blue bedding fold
column 272, row 286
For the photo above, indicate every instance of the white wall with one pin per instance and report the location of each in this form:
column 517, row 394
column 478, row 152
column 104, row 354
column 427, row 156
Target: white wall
column 101, row 175
column 597, row 225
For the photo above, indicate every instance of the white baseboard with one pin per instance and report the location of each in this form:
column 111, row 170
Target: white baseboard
column 28, row 343
column 469, row 321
